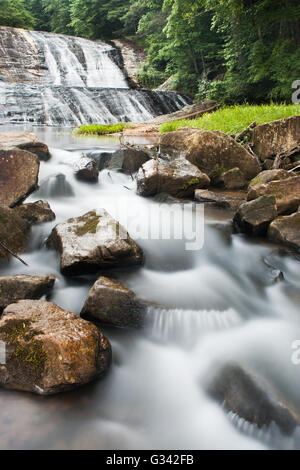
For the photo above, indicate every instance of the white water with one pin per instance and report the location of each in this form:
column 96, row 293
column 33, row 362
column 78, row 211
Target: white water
column 219, row 305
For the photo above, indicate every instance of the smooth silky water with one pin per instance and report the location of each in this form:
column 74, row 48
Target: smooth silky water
column 220, row 304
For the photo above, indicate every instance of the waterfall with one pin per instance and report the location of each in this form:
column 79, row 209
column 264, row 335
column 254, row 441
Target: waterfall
column 61, row 80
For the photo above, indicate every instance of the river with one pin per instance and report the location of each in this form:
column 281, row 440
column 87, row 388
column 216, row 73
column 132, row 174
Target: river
column 223, row 303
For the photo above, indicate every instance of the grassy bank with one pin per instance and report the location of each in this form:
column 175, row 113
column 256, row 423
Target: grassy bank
column 102, row 129
column 234, row 119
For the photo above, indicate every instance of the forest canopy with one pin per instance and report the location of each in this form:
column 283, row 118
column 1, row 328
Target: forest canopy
column 229, row 50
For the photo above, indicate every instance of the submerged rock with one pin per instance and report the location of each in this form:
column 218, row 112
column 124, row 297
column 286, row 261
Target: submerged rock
column 86, row 169
column 255, row 216
column 50, row 350
column 178, row 178
column 21, row 287
column 111, row 302
column 251, row 398
column 212, row 152
column 55, row 186
column 14, row 232
column 276, row 137
column 286, row 192
column 36, row 212
column 19, row 172
column 93, row 241
column 286, row 230
column 218, row 199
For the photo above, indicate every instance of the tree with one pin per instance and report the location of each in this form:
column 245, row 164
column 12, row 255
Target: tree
column 14, row 13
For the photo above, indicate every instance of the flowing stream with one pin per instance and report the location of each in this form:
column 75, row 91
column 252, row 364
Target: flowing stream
column 224, row 303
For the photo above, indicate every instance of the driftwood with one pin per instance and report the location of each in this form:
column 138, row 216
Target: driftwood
column 281, row 157
column 12, row 253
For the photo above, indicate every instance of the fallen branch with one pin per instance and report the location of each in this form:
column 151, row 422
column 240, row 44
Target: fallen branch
column 13, row 254
column 281, row 157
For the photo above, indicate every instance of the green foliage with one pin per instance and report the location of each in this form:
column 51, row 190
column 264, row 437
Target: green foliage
column 14, row 13
column 101, row 129
column 234, row 119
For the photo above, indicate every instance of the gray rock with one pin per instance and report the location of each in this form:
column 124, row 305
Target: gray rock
column 254, row 217
column 55, row 186
column 92, row 242
column 86, row 169
column 111, row 302
column 21, row 287
column 219, row 200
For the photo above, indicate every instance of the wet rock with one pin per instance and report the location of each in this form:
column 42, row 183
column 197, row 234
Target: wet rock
column 93, row 241
column 14, row 232
column 18, row 176
column 101, row 158
column 233, row 179
column 133, row 159
column 50, row 350
column 254, row 217
column 21, row 287
column 212, row 152
column 35, row 213
column 178, row 178
column 220, row 200
column 286, row 230
column 86, row 169
column 276, row 137
column 251, row 398
column 55, row 186
column 25, row 141
column 37, row 148
column 286, row 192
column 111, row 302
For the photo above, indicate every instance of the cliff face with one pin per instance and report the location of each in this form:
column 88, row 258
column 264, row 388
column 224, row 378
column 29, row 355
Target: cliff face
column 55, row 80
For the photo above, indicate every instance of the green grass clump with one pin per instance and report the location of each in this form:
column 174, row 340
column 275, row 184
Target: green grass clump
column 234, row 119
column 102, row 129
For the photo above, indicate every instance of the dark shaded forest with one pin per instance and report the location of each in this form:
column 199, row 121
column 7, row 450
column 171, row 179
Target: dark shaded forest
column 229, row 50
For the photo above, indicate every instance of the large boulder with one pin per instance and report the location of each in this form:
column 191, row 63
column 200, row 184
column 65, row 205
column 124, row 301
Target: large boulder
column 286, row 230
column 21, row 287
column 254, row 217
column 25, row 141
column 86, row 169
column 267, row 176
column 212, row 152
column 286, row 192
column 36, row 212
column 92, row 242
column 178, row 178
column 276, row 137
column 251, row 398
column 48, row 349
column 14, row 232
column 111, row 302
column 19, row 172
column 219, row 199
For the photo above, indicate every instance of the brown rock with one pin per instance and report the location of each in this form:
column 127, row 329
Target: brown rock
column 25, row 141
column 21, row 287
column 93, row 241
column 212, row 152
column 233, row 179
column 111, row 302
column 48, row 349
column 267, row 176
column 178, row 178
column 276, row 137
column 220, row 200
column 87, row 170
column 286, row 192
column 14, row 232
column 18, row 176
column 35, row 213
column 37, row 148
column 286, row 230
column 255, row 216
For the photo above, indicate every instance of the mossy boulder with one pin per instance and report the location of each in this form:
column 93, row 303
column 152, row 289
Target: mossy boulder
column 178, row 178
column 286, row 230
column 21, row 287
column 14, row 232
column 93, row 241
column 213, row 152
column 254, row 217
column 286, row 192
column 48, row 349
column 36, row 212
column 111, row 302
column 19, row 172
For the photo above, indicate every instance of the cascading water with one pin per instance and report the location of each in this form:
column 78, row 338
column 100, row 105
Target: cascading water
column 60, row 80
column 221, row 304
